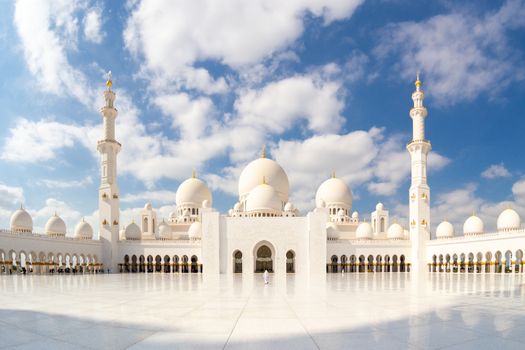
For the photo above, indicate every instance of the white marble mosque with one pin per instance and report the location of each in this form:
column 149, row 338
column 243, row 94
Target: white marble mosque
column 263, row 230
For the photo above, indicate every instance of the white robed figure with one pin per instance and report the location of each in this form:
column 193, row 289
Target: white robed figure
column 265, row 276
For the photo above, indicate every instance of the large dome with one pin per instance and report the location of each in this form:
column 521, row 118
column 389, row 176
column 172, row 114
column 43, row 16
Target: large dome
column 445, row 230
column 273, row 173
column 508, row 220
column 263, row 198
column 193, row 192
column 83, row 230
column 195, row 231
column 334, row 192
column 21, row 221
column 473, row 226
column 364, row 231
column 395, row 231
column 55, row 226
column 133, row 232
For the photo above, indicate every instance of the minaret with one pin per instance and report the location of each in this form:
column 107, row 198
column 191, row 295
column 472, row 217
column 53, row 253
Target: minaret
column 419, row 193
column 108, row 200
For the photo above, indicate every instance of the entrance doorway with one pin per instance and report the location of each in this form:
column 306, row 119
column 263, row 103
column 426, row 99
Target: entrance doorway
column 290, row 262
column 263, row 260
column 237, row 262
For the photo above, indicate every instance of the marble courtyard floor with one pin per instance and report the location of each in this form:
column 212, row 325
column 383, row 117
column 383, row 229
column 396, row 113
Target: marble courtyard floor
column 351, row 311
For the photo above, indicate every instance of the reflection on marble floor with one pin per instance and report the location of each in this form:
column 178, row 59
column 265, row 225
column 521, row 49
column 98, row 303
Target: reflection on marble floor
column 365, row 311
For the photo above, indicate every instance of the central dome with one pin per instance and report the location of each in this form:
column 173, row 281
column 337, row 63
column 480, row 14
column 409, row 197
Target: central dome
column 334, row 192
column 193, row 192
column 269, row 169
column 263, row 198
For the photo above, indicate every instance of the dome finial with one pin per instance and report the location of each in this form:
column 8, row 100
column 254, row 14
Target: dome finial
column 333, row 174
column 418, row 82
column 263, row 152
column 193, row 173
column 264, row 180
column 109, row 81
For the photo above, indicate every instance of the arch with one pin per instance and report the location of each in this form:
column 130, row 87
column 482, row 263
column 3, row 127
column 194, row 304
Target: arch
column 488, row 262
column 194, row 264
column 237, row 261
column 440, row 258
column 395, row 267
column 479, row 262
column 353, row 263
column 361, row 263
column 167, row 266
column 134, row 264
column 462, row 260
column 434, row 263
column 158, row 263
column 290, row 261
column 498, row 256
column 263, row 255
column 344, row 263
column 508, row 261
column 402, row 264
column 142, row 263
column 388, row 268
column 382, row 225
column 176, row 263
column 455, row 263
column 519, row 261
column 370, row 266
column 150, row 263
column 470, row 266
column 145, row 225
column 185, row 262
column 379, row 263
column 447, row 263
column 333, row 264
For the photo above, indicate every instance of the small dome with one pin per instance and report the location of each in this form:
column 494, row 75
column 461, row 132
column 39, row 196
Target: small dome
column 288, row 207
column 147, row 206
column 473, row 226
column 133, row 232
column 355, row 215
column 332, row 232
column 273, row 173
column 237, row 206
column 395, row 231
column 195, row 231
column 55, row 226
column 508, row 220
column 380, row 206
column 164, row 231
column 446, row 230
column 319, row 203
column 193, row 192
column 21, row 221
column 83, row 230
column 335, row 192
column 263, row 198
column 206, row 203
column 340, row 212
column 173, row 215
column 230, row 212
column 364, row 231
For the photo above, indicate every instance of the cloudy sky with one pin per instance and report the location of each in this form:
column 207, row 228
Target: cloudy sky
column 324, row 84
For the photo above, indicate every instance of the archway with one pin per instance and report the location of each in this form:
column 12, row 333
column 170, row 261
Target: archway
column 290, row 261
column 344, row 263
column 237, row 261
column 194, row 264
column 263, row 258
column 333, row 265
column 185, row 264
column 498, row 257
column 470, row 266
column 361, row 263
column 519, row 261
column 167, row 266
column 176, row 263
column 142, row 264
column 150, row 263
column 158, row 263
column 508, row 261
column 379, row 263
column 402, row 265
column 395, row 266
column 387, row 263
column 352, row 263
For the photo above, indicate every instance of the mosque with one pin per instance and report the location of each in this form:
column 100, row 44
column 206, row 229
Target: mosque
column 263, row 230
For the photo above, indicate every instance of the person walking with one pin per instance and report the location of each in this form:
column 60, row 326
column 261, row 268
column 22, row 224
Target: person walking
column 265, row 277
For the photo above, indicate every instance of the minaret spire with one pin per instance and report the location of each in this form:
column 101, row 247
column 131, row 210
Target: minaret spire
column 419, row 194
column 108, row 205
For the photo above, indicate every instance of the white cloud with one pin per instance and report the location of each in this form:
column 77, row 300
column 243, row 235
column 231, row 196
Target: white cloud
column 11, row 197
column 235, row 33
column 62, row 209
column 461, row 56
column 494, row 171
column 144, row 197
column 279, row 104
column 93, row 26
column 88, row 180
column 48, row 30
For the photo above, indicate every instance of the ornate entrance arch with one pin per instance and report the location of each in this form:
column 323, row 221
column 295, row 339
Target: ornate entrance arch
column 264, row 255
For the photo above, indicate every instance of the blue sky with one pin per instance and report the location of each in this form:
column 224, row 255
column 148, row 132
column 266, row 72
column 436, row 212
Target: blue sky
column 324, row 84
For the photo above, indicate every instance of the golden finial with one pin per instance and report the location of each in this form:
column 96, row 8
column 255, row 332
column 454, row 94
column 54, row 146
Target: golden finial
column 193, row 173
column 333, row 174
column 109, row 82
column 263, row 153
column 264, row 180
column 418, row 82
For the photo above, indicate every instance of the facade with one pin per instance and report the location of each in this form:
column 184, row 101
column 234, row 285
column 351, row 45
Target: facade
column 263, row 230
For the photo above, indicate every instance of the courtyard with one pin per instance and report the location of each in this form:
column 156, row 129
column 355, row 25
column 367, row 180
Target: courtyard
column 336, row 311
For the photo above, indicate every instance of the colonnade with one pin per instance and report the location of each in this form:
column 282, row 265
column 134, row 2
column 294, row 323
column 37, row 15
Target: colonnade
column 166, row 264
column 490, row 262
column 378, row 263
